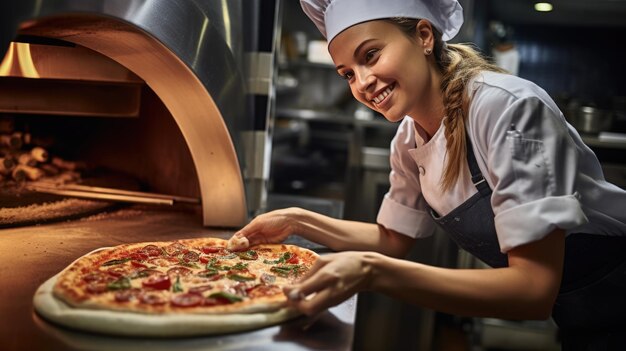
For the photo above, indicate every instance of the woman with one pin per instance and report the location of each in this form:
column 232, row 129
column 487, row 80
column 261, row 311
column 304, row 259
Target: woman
column 483, row 154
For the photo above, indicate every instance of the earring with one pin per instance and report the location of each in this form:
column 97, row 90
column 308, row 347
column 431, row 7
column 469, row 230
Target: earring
column 428, row 51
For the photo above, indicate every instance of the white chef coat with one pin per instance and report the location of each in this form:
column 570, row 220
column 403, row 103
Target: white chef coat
column 542, row 174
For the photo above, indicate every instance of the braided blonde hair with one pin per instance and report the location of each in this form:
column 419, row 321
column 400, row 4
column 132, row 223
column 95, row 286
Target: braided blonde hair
column 458, row 64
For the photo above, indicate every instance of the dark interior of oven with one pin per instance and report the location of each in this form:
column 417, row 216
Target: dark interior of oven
column 146, row 153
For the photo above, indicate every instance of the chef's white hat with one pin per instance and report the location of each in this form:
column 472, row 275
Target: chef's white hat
column 333, row 16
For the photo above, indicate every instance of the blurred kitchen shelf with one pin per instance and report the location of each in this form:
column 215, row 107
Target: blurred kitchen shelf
column 606, row 140
column 334, row 116
column 306, row 63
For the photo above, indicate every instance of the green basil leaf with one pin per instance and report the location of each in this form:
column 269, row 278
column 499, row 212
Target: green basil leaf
column 122, row 283
column 227, row 296
column 240, row 278
column 114, row 262
column 240, row 266
column 177, row 287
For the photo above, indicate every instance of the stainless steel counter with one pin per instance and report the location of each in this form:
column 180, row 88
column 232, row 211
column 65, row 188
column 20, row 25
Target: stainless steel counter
column 31, row 255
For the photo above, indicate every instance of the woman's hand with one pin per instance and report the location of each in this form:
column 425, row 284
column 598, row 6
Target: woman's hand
column 268, row 228
column 332, row 279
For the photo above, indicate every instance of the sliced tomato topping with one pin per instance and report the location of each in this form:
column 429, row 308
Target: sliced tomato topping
column 191, row 257
column 212, row 249
column 152, row 250
column 187, row 300
column 157, row 282
column 179, row 271
column 204, row 259
column 152, row 298
column 293, row 259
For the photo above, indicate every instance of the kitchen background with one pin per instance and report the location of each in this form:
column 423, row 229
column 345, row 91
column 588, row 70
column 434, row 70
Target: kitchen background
column 330, row 154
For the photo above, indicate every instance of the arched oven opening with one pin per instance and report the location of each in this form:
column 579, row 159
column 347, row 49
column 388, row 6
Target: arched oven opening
column 110, row 106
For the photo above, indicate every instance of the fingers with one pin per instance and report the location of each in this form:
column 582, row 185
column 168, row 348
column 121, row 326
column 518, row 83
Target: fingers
column 317, row 290
column 249, row 232
column 317, row 302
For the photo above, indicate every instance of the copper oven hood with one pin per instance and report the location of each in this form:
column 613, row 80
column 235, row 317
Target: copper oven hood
column 187, row 53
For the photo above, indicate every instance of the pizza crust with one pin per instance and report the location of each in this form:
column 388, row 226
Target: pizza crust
column 137, row 324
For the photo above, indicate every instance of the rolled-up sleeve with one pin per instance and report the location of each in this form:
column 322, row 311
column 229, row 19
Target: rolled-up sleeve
column 533, row 162
column 404, row 209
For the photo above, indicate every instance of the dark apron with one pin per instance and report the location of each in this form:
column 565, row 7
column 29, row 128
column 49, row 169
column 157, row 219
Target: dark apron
column 592, row 296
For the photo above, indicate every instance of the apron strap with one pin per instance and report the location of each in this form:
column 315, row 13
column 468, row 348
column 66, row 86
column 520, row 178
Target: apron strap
column 477, row 176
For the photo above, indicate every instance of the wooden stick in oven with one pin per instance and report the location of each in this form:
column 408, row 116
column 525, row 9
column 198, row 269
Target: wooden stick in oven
column 95, row 189
column 102, row 196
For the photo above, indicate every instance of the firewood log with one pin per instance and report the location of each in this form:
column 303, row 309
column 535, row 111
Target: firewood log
column 39, row 154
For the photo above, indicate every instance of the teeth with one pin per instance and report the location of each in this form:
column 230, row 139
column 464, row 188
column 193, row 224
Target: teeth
column 382, row 95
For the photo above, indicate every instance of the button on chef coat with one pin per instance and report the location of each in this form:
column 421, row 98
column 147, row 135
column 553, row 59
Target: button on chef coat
column 542, row 174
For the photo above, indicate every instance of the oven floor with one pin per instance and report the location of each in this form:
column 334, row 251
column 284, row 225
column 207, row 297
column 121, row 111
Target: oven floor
column 31, row 255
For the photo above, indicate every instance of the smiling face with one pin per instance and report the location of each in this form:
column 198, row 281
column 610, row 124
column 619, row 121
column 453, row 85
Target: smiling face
column 386, row 69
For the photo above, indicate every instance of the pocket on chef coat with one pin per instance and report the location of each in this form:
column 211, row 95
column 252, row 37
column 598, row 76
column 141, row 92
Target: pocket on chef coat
column 530, row 167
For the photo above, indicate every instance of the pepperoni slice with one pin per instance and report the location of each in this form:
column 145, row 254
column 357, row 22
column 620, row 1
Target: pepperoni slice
column 96, row 288
column 200, row 289
column 152, row 250
column 157, row 282
column 138, row 256
column 138, row 264
column 180, row 271
column 176, row 249
column 212, row 249
column 117, row 271
column 126, row 295
column 243, row 288
column 264, row 290
column 191, row 257
column 187, row 300
column 152, row 298
column 97, row 277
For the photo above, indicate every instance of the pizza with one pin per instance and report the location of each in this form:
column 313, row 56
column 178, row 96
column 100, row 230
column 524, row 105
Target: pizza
column 185, row 276
column 193, row 276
